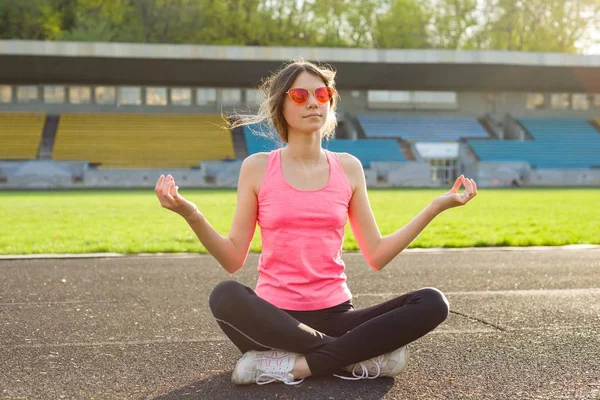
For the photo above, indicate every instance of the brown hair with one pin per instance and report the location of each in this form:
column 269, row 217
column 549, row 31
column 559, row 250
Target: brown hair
column 274, row 90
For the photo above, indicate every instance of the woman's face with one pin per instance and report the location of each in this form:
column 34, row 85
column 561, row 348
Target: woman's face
column 310, row 116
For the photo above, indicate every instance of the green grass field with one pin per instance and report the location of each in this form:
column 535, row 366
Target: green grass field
column 133, row 221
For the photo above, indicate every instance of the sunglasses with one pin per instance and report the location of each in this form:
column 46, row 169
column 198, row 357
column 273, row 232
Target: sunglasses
column 300, row 96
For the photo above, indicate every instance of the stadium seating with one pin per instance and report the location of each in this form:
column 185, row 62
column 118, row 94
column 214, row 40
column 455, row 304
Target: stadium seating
column 20, row 135
column 366, row 150
column 422, row 128
column 256, row 142
column 558, row 143
column 142, row 140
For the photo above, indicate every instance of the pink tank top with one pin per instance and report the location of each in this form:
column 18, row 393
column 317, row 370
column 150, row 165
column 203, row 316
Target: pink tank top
column 302, row 232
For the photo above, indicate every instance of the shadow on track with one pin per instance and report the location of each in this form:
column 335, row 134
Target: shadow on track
column 219, row 386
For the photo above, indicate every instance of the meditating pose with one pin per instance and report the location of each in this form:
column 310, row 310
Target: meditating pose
column 299, row 321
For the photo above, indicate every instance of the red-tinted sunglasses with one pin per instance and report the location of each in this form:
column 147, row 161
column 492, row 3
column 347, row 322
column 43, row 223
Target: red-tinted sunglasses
column 300, row 96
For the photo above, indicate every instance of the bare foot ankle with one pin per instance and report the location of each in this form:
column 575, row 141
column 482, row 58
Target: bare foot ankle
column 300, row 369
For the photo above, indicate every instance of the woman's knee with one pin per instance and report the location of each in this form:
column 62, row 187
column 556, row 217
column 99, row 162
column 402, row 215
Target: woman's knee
column 437, row 303
column 225, row 297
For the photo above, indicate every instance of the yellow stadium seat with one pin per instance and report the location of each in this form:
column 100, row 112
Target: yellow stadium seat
column 20, row 135
column 142, row 140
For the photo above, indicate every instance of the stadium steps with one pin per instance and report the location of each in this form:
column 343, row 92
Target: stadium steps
column 342, row 131
column 528, row 135
column 407, row 150
column 20, row 135
column 356, row 126
column 48, row 137
column 486, row 124
column 239, row 143
column 143, row 140
column 596, row 124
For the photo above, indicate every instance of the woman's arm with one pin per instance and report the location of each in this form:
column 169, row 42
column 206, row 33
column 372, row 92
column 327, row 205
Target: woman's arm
column 378, row 250
column 231, row 251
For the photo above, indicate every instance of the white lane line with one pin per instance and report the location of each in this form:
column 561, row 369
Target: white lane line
column 528, row 292
column 442, row 331
column 117, row 343
column 577, row 247
column 72, row 302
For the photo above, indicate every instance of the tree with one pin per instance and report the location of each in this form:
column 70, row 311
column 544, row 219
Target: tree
column 402, row 26
column 32, row 19
column 452, row 23
column 532, row 25
column 539, row 25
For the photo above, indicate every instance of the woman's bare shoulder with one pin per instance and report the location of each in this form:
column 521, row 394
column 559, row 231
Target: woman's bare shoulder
column 257, row 161
column 348, row 160
column 352, row 167
column 254, row 168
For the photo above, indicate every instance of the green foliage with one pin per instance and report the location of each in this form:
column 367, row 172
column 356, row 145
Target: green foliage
column 538, row 25
column 134, row 222
column 532, row 25
column 452, row 21
column 403, row 25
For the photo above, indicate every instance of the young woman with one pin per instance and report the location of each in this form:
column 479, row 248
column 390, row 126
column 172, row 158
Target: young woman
column 300, row 320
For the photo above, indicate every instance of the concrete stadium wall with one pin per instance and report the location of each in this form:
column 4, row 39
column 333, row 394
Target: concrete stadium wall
column 40, row 174
column 77, row 175
column 127, row 109
column 44, row 174
column 143, row 178
column 572, row 177
column 490, row 175
column 475, row 104
column 515, row 103
column 400, row 174
column 468, row 103
column 508, row 174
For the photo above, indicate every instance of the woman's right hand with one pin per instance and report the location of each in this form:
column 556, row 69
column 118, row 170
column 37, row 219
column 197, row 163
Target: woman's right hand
column 169, row 197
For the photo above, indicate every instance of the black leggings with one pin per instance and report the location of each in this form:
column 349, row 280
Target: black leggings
column 331, row 338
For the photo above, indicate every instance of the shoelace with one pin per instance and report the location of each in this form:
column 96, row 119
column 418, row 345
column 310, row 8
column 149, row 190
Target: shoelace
column 269, row 377
column 364, row 370
column 266, row 377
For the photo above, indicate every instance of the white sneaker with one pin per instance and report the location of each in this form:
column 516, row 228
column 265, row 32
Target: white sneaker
column 390, row 364
column 264, row 367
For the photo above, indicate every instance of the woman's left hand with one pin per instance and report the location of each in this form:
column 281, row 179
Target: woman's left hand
column 453, row 198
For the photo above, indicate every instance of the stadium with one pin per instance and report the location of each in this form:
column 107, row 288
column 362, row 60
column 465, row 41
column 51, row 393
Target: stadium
column 115, row 115
column 106, row 294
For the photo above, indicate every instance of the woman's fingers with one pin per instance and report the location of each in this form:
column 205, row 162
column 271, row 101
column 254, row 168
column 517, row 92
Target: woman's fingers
column 469, row 187
column 167, row 184
column 457, row 184
column 163, row 189
column 159, row 183
column 169, row 191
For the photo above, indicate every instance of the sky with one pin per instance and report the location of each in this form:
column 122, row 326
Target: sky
column 594, row 48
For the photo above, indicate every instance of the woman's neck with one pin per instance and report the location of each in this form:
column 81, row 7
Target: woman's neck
column 304, row 148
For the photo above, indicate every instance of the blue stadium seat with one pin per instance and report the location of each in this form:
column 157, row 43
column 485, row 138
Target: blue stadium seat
column 422, row 128
column 558, row 143
column 366, row 150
